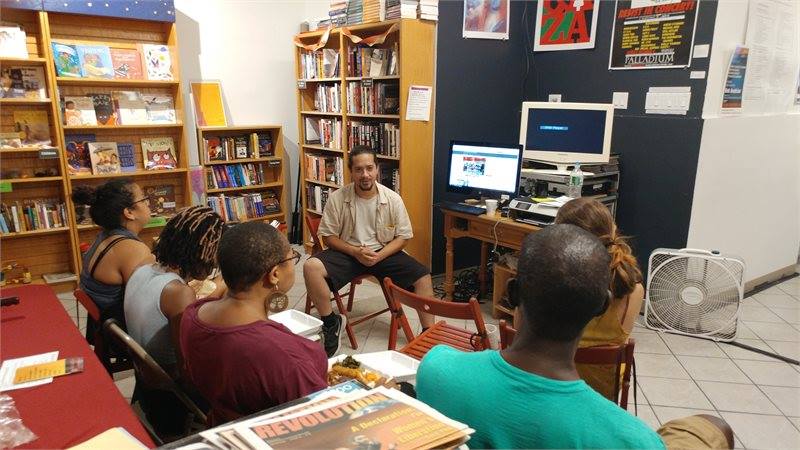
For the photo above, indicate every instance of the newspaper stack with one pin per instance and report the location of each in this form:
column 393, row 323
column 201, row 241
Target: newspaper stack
column 338, row 12
column 408, row 9
column 429, row 9
column 374, row 11
column 377, row 418
column 355, row 10
column 392, row 9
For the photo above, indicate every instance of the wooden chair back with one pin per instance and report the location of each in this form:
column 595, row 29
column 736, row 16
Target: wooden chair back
column 507, row 333
column 313, row 229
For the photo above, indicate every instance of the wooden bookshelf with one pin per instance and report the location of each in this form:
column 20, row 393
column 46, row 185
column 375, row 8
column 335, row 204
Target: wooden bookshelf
column 273, row 168
column 415, row 41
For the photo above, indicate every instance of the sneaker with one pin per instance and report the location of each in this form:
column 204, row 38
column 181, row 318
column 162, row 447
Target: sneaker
column 332, row 335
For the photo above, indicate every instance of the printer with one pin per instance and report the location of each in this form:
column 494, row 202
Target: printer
column 525, row 210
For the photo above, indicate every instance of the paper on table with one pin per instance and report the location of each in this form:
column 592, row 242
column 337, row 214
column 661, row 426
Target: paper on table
column 10, row 366
column 117, row 438
column 419, row 103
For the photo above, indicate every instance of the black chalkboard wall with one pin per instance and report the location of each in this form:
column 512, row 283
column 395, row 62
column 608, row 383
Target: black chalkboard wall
column 480, row 85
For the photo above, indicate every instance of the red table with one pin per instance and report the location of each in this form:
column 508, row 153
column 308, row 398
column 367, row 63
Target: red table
column 72, row 408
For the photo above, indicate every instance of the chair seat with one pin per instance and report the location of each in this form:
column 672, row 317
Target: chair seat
column 440, row 333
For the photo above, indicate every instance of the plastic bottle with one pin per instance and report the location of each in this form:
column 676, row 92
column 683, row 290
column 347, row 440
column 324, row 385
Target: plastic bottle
column 575, row 184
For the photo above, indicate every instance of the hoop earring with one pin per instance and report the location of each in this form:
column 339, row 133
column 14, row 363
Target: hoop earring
column 276, row 302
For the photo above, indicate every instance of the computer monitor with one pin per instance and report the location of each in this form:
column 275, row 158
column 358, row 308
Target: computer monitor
column 562, row 134
column 484, row 169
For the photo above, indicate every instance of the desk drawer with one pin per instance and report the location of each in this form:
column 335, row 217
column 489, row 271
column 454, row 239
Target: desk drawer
column 506, row 235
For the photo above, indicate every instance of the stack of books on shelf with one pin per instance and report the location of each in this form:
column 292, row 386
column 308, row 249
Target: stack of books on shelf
column 317, row 197
column 229, row 148
column 376, row 98
column 30, row 215
column 235, row 175
column 243, row 207
column 392, row 9
column 429, row 9
column 374, row 11
column 323, row 63
column 408, row 9
column 325, row 132
column 118, row 108
column 22, row 82
column 329, row 169
column 389, row 176
column 328, row 98
column 338, row 12
column 384, row 137
column 13, row 42
column 147, row 61
column 87, row 156
column 372, row 62
column 355, row 10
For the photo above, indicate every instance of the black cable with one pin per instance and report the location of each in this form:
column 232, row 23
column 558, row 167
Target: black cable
column 467, row 285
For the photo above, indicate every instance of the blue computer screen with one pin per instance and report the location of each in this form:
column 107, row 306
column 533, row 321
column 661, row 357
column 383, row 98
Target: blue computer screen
column 566, row 130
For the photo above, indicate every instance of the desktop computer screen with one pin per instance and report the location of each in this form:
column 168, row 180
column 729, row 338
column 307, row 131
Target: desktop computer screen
column 477, row 167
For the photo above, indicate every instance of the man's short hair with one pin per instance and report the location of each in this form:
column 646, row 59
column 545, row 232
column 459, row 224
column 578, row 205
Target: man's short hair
column 361, row 150
column 247, row 251
column 563, row 281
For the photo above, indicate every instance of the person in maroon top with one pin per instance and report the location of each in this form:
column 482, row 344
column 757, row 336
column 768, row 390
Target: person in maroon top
column 240, row 360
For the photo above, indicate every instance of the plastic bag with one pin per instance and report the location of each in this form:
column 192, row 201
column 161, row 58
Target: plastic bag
column 12, row 431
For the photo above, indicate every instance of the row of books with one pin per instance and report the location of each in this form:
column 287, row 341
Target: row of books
column 384, row 137
column 355, row 12
column 323, row 63
column 317, row 197
column 373, row 11
column 327, row 98
column 412, row 9
column 329, row 169
column 246, row 206
column 22, row 82
column 373, row 98
column 87, row 156
column 372, row 62
column 389, row 176
column 32, row 215
column 429, row 10
column 228, row 148
column 325, row 132
column 118, row 108
column 101, row 61
column 338, row 13
column 236, row 175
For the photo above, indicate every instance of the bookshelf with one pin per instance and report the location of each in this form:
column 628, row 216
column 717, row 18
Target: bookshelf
column 240, row 188
column 409, row 163
column 27, row 176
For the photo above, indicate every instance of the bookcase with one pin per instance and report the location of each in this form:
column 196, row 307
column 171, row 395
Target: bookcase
column 348, row 94
column 244, row 171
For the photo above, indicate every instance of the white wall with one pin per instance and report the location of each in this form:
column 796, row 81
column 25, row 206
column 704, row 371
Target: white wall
column 747, row 189
column 247, row 45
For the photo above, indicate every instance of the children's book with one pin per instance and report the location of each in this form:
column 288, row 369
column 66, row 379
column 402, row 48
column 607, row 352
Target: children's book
column 105, row 157
column 22, row 82
column 162, row 199
column 127, row 160
column 160, row 108
column 66, row 59
column 127, row 63
column 10, row 140
column 78, row 160
column 131, row 108
column 95, row 61
column 159, row 153
column 104, row 109
column 79, row 111
column 13, row 42
column 33, row 126
column 157, row 62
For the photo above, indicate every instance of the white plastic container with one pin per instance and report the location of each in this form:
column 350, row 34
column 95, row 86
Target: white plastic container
column 298, row 322
column 388, row 363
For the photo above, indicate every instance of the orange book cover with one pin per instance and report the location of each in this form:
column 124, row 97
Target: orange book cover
column 127, row 63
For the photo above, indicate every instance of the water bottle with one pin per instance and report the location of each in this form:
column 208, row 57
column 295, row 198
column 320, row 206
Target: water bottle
column 575, row 184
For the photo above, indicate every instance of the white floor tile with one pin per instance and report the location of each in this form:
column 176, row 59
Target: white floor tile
column 774, row 331
column 743, row 332
column 672, row 392
column 737, row 398
column 691, row 346
column 774, row 290
column 741, row 353
column 770, row 373
column 712, row 369
column 787, row 399
column 649, row 343
column 777, row 300
column 787, row 349
column 126, row 385
column 664, row 366
column 790, row 288
column 763, row 432
column 667, row 413
column 751, row 313
column 641, row 398
column 646, row 414
column 787, row 314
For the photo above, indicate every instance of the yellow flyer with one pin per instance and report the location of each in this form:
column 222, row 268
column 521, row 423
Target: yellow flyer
column 48, row 370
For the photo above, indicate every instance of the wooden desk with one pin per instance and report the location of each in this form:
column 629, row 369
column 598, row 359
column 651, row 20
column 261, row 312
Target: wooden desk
column 503, row 231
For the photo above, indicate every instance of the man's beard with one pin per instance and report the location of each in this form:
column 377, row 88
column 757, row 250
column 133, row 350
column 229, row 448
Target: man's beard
column 361, row 187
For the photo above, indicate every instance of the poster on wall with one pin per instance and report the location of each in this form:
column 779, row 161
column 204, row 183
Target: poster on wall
column 653, row 34
column 486, row 19
column 565, row 25
column 734, row 81
column 207, row 101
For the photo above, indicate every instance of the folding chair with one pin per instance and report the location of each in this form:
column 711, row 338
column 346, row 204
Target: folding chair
column 112, row 361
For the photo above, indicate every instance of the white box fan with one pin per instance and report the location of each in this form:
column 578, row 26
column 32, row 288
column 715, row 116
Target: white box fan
column 694, row 292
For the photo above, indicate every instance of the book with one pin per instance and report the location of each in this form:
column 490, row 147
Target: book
column 22, row 82
column 330, row 62
column 95, row 61
column 66, row 59
column 264, row 141
column 159, row 153
column 104, row 157
column 78, row 160
column 214, row 150
column 161, row 199
column 127, row 63
column 13, row 42
column 104, row 109
column 160, row 109
column 33, row 126
column 127, row 160
column 79, row 111
column 131, row 108
column 55, row 278
column 157, row 62
column 241, row 145
column 10, row 140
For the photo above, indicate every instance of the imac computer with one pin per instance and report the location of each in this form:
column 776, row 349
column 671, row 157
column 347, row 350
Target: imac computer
column 562, row 134
column 482, row 169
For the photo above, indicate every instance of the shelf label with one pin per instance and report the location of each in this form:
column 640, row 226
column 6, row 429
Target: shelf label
column 301, row 84
column 48, row 153
column 366, row 82
column 5, row 186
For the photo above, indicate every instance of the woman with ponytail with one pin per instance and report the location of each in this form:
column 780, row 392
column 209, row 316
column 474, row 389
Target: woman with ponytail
column 614, row 326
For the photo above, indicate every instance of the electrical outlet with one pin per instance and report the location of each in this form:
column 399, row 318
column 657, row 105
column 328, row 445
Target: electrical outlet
column 554, row 98
column 620, row 100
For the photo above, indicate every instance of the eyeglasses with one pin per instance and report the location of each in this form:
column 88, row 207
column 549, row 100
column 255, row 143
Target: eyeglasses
column 143, row 199
column 295, row 256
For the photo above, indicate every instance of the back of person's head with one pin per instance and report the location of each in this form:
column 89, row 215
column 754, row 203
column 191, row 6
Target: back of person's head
column 361, row 150
column 189, row 242
column 562, row 282
column 247, row 251
column 107, row 202
column 594, row 217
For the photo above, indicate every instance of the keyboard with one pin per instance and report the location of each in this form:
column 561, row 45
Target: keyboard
column 462, row 208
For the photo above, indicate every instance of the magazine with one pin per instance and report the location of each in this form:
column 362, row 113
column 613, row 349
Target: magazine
column 105, row 157
column 78, row 160
column 159, row 153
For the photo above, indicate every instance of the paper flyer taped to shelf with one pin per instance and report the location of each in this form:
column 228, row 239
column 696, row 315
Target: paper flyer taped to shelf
column 418, row 106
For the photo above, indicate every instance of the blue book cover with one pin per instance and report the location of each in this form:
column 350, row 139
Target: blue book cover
column 95, row 61
column 66, row 59
column 127, row 161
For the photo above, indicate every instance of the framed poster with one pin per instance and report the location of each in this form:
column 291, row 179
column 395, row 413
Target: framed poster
column 486, row 19
column 653, row 34
column 565, row 25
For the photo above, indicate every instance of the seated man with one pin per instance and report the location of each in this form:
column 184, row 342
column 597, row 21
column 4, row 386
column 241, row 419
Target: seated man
column 537, row 398
column 365, row 227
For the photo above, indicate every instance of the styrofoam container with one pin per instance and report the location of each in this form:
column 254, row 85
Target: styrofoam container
column 388, row 363
column 298, row 322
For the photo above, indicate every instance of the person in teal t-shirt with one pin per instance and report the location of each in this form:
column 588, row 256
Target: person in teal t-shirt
column 530, row 395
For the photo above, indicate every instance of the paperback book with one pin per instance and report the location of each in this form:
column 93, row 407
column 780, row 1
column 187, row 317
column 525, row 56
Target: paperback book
column 66, row 59
column 95, row 61
column 78, row 160
column 104, row 157
column 159, row 153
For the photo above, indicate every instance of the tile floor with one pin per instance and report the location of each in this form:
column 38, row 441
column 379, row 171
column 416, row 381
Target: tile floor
column 677, row 375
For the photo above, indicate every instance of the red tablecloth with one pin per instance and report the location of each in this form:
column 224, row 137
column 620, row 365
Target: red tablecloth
column 72, row 408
